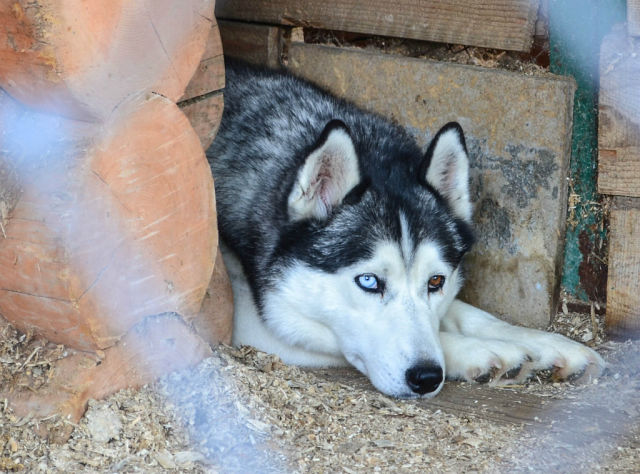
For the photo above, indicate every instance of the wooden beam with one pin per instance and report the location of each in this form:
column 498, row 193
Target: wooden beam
column 619, row 115
column 256, row 44
column 633, row 17
column 619, row 174
column 488, row 23
column 623, row 286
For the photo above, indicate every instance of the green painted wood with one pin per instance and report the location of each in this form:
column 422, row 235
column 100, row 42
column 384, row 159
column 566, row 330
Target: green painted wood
column 576, row 29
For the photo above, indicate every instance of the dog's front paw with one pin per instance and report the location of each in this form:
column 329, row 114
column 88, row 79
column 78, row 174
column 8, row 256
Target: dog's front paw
column 502, row 362
column 486, row 360
column 569, row 360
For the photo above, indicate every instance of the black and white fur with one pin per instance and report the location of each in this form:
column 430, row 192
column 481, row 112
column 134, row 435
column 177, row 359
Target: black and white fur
column 344, row 243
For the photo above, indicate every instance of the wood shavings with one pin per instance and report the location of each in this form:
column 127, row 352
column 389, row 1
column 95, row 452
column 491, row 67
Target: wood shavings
column 245, row 411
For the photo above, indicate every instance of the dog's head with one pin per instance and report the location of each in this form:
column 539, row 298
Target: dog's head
column 371, row 257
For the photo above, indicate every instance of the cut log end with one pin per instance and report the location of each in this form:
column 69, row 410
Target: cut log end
column 123, row 229
column 80, row 59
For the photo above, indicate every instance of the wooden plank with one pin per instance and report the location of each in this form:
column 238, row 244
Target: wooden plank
column 507, row 406
column 623, row 286
column 633, row 17
column 257, row 44
column 497, row 24
column 619, row 115
column 619, row 171
column 9, row 178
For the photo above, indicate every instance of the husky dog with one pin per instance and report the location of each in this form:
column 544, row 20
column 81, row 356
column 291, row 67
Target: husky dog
column 344, row 243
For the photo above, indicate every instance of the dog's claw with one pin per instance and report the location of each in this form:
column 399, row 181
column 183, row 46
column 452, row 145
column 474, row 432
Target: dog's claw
column 488, row 377
column 511, row 373
column 574, row 377
column 484, row 378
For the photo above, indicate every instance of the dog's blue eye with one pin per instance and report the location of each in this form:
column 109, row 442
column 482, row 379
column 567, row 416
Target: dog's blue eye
column 369, row 282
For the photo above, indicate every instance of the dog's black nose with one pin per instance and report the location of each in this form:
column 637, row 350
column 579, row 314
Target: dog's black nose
column 424, row 378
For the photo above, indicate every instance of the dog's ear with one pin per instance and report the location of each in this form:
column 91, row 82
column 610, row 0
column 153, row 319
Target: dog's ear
column 446, row 169
column 329, row 172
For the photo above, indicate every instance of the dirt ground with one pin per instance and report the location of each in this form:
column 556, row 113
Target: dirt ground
column 245, row 411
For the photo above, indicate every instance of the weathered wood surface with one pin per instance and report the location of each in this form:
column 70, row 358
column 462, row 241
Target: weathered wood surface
column 110, row 227
column 214, row 322
column 633, row 17
column 510, row 406
column 257, row 44
column 202, row 101
column 490, row 23
column 9, row 177
column 623, row 285
column 209, row 75
column 619, row 115
column 204, row 113
column 619, row 171
column 80, row 59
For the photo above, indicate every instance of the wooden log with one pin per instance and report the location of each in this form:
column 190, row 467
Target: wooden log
column 202, row 101
column 633, row 17
column 257, row 44
column 619, row 115
column 209, row 75
column 156, row 346
column 204, row 113
column 10, row 110
column 80, row 59
column 214, row 323
column 623, row 285
column 111, row 227
column 491, row 23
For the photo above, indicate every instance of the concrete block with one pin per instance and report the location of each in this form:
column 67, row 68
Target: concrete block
column 518, row 131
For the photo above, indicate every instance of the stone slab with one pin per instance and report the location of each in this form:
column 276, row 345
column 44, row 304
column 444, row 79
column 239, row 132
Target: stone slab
column 518, row 131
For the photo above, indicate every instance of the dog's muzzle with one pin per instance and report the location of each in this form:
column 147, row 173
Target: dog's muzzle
column 424, row 377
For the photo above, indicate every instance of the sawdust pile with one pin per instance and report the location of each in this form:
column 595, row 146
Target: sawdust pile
column 245, row 411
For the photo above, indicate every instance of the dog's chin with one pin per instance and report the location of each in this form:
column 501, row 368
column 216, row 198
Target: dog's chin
column 402, row 392
column 407, row 394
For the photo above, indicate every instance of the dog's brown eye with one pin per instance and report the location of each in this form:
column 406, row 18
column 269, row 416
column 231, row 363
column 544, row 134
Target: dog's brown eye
column 436, row 282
